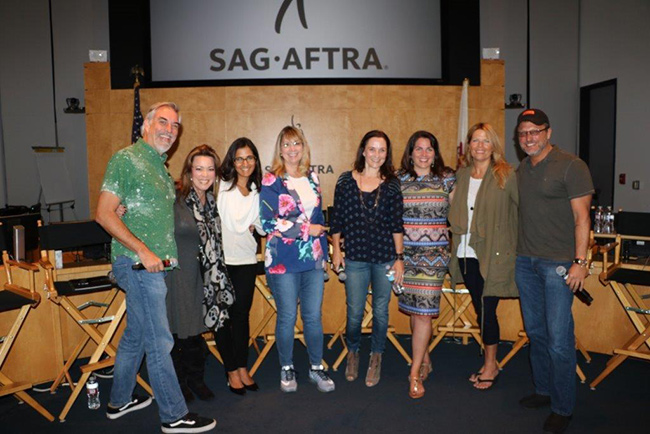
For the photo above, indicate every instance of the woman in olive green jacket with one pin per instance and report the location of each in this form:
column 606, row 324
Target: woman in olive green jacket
column 483, row 223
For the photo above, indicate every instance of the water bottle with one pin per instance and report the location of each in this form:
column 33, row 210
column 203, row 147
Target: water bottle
column 390, row 275
column 92, row 390
column 609, row 221
column 598, row 220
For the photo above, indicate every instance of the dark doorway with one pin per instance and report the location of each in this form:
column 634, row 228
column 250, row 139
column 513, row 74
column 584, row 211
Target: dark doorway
column 598, row 137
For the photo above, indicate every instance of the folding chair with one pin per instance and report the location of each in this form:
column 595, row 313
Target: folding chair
column 460, row 321
column 77, row 279
column 14, row 297
column 269, row 339
column 366, row 328
column 523, row 340
column 622, row 279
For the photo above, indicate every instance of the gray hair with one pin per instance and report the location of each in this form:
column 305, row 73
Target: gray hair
column 152, row 112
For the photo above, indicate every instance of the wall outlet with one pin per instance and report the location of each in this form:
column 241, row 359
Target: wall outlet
column 636, row 185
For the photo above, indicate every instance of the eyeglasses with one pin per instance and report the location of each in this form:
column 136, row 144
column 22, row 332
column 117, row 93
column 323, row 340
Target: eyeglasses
column 533, row 133
column 250, row 160
column 297, row 144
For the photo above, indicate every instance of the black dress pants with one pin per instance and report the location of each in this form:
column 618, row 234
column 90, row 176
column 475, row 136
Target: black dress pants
column 232, row 338
column 485, row 307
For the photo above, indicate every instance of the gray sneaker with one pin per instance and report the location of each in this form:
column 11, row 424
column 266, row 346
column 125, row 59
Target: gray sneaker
column 319, row 377
column 288, row 382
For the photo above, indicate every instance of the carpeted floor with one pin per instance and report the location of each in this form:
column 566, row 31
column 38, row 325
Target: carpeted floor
column 451, row 404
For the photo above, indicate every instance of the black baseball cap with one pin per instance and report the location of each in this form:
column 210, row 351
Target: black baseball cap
column 535, row 116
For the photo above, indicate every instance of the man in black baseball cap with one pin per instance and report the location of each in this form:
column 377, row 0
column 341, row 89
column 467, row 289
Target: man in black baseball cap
column 555, row 191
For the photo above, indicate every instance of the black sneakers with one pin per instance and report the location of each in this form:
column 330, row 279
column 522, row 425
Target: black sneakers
column 556, row 423
column 535, row 401
column 137, row 402
column 190, row 423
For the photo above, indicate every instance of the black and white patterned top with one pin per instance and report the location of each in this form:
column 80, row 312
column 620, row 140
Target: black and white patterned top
column 367, row 231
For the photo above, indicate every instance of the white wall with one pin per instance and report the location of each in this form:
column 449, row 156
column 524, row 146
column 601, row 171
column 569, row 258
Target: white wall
column 26, row 90
column 573, row 43
column 615, row 43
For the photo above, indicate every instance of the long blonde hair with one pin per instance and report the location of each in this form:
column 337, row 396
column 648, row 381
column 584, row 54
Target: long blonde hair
column 293, row 134
column 500, row 167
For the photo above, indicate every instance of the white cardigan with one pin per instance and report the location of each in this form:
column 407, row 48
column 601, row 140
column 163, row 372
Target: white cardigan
column 238, row 213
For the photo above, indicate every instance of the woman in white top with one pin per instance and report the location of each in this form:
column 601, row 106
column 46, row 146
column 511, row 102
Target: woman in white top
column 238, row 205
column 483, row 221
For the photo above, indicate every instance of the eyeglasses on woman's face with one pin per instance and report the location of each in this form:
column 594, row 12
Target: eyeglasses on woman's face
column 249, row 159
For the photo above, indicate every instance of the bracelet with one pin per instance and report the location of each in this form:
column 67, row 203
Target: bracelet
column 581, row 261
column 399, row 256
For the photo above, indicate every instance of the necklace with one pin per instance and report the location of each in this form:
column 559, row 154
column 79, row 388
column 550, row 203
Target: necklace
column 369, row 218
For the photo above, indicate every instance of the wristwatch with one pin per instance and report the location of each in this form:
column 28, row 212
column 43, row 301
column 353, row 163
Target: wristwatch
column 399, row 256
column 581, row 261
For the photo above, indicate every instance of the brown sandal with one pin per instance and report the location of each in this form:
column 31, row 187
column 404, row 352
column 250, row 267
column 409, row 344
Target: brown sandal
column 416, row 389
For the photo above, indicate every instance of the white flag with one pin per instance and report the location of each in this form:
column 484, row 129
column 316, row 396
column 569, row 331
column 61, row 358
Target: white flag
column 463, row 123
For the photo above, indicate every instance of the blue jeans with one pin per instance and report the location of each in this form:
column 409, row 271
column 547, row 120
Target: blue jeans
column 546, row 306
column 360, row 276
column 289, row 289
column 147, row 331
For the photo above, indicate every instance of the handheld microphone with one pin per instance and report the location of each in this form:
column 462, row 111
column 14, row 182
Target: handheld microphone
column 581, row 294
column 341, row 274
column 166, row 263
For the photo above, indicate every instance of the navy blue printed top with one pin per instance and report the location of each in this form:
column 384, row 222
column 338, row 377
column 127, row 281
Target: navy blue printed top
column 367, row 231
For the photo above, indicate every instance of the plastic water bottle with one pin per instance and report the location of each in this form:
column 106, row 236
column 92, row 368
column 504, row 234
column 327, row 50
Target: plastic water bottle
column 92, row 390
column 608, row 224
column 390, row 275
column 598, row 220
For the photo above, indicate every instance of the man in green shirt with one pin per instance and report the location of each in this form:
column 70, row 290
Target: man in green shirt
column 137, row 177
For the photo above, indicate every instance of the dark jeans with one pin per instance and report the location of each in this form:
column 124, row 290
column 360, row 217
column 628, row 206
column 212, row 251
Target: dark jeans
column 232, row 338
column 485, row 307
column 546, row 302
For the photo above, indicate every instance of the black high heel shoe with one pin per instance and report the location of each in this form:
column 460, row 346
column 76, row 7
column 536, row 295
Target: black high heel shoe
column 252, row 387
column 237, row 391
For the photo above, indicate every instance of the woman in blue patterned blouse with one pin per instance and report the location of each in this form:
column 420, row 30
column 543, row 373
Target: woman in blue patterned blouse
column 368, row 216
column 296, row 246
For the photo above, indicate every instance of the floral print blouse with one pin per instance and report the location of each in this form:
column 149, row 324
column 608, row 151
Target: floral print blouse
column 289, row 247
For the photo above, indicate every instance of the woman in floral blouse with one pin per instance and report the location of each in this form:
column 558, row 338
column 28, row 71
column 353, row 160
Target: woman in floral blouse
column 296, row 246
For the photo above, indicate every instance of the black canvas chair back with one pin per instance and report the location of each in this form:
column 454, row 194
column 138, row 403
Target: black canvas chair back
column 65, row 236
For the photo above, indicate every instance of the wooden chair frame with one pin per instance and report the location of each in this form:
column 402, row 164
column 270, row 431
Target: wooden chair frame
column 7, row 385
column 90, row 325
column 632, row 302
column 366, row 328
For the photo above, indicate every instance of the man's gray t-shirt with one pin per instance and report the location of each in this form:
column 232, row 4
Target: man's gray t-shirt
column 546, row 224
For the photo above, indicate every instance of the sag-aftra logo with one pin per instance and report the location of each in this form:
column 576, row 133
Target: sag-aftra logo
column 297, row 59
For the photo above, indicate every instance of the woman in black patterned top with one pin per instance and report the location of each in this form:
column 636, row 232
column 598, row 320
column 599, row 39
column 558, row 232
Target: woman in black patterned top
column 368, row 216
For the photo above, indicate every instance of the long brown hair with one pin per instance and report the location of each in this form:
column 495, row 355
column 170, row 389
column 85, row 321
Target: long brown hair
column 294, row 134
column 438, row 165
column 386, row 171
column 186, row 173
column 500, row 167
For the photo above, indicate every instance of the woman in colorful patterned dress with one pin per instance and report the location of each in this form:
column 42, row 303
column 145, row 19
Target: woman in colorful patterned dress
column 427, row 188
column 296, row 246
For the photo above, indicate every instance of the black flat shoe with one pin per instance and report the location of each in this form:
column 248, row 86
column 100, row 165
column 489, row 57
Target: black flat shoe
column 236, row 390
column 252, row 387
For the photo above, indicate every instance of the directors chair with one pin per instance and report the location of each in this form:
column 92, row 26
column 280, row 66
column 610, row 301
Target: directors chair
column 625, row 280
column 81, row 278
column 16, row 298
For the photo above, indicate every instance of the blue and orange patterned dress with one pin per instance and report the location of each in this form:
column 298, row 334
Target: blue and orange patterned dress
column 426, row 241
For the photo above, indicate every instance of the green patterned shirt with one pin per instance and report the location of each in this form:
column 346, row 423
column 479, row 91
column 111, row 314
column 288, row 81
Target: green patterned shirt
column 138, row 176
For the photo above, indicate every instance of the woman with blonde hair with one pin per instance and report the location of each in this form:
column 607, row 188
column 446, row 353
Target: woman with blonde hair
column 483, row 221
column 296, row 251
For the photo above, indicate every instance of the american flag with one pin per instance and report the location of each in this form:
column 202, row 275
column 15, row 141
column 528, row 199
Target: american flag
column 137, row 116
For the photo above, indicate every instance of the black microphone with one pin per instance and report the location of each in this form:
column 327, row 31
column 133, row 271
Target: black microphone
column 166, row 263
column 581, row 294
